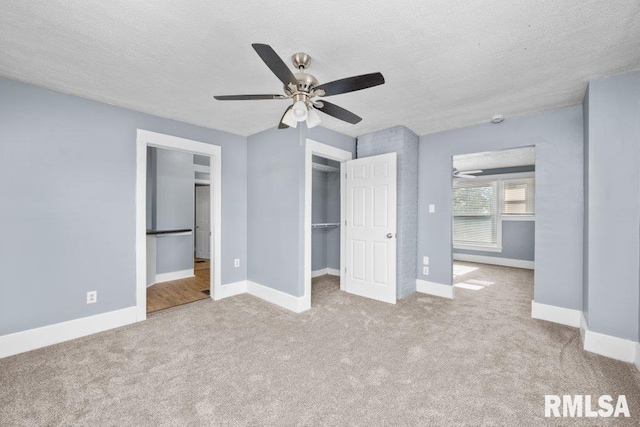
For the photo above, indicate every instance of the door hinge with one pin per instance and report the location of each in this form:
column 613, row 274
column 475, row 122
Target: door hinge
column 345, row 222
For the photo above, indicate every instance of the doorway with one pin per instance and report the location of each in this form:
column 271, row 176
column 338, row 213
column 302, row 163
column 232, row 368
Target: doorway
column 174, row 276
column 328, row 160
column 202, row 220
column 325, row 226
column 493, row 223
column 147, row 139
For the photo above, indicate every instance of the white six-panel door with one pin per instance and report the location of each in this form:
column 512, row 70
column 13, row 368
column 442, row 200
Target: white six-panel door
column 203, row 224
column 370, row 228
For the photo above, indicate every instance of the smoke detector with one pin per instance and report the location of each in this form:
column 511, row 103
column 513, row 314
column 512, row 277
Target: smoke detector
column 498, row 118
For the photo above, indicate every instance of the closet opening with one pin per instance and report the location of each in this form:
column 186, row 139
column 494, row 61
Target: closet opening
column 324, row 221
column 325, row 225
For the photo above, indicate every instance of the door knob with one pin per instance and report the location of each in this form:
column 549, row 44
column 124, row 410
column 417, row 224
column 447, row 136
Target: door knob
column 389, row 235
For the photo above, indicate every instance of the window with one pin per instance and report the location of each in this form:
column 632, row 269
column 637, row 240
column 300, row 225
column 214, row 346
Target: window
column 475, row 219
column 481, row 205
column 518, row 197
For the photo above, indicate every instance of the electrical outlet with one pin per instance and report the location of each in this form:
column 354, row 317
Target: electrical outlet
column 236, row 262
column 425, row 271
column 432, row 208
column 425, row 260
column 92, row 297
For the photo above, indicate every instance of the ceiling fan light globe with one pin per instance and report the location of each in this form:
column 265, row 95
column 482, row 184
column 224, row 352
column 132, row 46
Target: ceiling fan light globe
column 313, row 118
column 289, row 120
column 300, row 111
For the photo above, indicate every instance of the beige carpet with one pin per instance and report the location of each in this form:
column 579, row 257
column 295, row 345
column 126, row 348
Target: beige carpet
column 477, row 360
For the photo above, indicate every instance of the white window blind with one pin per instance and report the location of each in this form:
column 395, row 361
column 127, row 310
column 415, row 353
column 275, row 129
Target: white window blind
column 518, row 197
column 475, row 216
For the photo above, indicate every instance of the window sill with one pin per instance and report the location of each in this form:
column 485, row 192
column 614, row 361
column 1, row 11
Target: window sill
column 479, row 248
column 517, row 217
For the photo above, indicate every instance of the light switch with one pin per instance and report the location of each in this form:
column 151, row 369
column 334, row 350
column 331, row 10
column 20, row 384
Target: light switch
column 425, row 260
column 432, row 208
column 425, row 271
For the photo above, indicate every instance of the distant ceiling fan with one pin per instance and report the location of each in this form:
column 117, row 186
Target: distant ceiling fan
column 466, row 174
column 302, row 87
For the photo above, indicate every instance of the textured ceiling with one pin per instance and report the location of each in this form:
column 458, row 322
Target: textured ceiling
column 447, row 64
column 524, row 156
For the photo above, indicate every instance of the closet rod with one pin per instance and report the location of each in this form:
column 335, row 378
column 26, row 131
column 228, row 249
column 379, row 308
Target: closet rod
column 326, row 225
column 323, row 168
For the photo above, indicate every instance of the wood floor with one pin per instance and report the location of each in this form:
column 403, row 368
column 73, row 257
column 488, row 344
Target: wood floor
column 201, row 264
column 178, row 292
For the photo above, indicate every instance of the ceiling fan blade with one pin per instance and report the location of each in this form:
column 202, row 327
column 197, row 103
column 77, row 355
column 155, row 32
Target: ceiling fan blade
column 339, row 112
column 351, row 84
column 275, row 63
column 282, row 125
column 247, row 97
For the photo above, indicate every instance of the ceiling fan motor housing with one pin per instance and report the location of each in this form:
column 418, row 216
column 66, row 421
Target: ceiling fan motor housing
column 306, row 82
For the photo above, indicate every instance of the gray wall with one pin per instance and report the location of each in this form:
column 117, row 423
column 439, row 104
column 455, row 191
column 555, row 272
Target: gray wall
column 614, row 205
column 325, row 203
column 333, row 215
column 201, row 160
column 74, row 208
column 202, row 175
column 275, row 214
column 174, row 209
column 402, row 141
column 518, row 242
column 557, row 136
column 585, row 223
column 151, row 188
column 319, row 215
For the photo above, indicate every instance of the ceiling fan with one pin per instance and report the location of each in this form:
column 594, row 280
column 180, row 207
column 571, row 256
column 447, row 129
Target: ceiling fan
column 466, row 174
column 302, row 88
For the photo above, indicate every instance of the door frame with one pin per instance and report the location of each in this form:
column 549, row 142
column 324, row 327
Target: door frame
column 144, row 139
column 331, row 153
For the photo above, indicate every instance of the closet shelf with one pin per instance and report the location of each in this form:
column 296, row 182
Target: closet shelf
column 323, row 168
column 326, row 225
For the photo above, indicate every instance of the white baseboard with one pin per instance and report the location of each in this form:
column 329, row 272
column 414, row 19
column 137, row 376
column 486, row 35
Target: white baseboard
column 552, row 313
column 437, row 289
column 609, row 346
column 295, row 304
column 231, row 289
column 637, row 361
column 333, row 272
column 174, row 275
column 583, row 327
column 32, row 339
column 318, row 273
column 505, row 262
column 323, row 271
